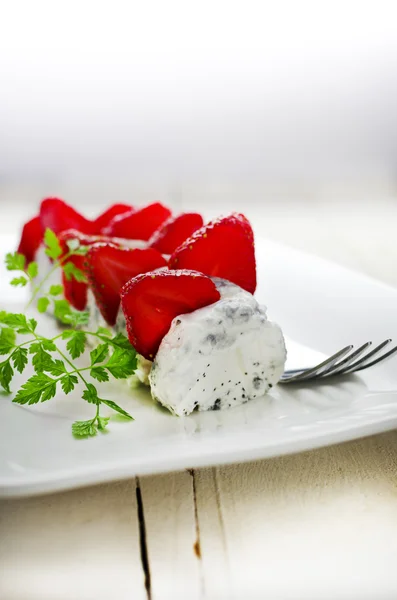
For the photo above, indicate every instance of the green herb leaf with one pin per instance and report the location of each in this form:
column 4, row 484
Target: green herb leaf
column 99, row 354
column 117, row 408
column 99, row 374
column 41, row 361
column 82, row 429
column 53, row 247
column 33, row 270
column 72, row 272
column 102, row 422
column 68, row 382
column 7, row 340
column 122, row 363
column 91, row 394
column 15, row 320
column 62, row 310
column 15, row 261
column 42, row 304
column 20, row 359
column 55, row 367
column 48, row 345
column 56, row 290
column 75, row 318
column 76, row 344
column 6, row 375
column 22, row 281
column 37, row 388
column 32, row 324
column 122, row 342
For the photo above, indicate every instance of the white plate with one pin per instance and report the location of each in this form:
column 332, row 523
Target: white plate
column 318, row 304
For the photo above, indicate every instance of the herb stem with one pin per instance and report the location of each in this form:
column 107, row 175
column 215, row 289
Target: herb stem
column 56, row 265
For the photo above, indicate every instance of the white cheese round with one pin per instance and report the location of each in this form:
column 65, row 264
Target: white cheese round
column 219, row 356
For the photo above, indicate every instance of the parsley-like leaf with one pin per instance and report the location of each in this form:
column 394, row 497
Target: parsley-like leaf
column 122, row 363
column 68, row 382
column 53, row 247
column 20, row 359
column 122, row 342
column 7, row 340
column 17, row 321
column 56, row 290
column 102, row 422
column 99, row 354
column 41, row 359
column 32, row 324
column 33, row 270
column 72, row 272
column 22, row 281
column 37, row 388
column 117, row 408
column 42, row 304
column 99, row 374
column 91, row 394
column 55, row 367
column 15, row 261
column 76, row 344
column 6, row 374
column 75, row 318
column 83, row 429
column 62, row 309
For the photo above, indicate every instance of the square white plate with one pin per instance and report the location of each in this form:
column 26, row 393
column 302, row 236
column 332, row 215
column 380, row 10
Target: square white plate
column 317, row 303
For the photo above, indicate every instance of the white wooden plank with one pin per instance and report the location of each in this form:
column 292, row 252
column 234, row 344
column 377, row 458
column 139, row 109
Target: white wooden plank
column 217, row 579
column 320, row 525
column 80, row 545
column 169, row 513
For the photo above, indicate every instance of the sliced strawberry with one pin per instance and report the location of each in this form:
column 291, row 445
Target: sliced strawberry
column 174, row 231
column 59, row 216
column 106, row 217
column 223, row 248
column 75, row 292
column 109, row 267
column 31, row 238
column 151, row 301
column 138, row 224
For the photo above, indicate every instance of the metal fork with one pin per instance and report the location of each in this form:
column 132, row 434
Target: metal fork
column 344, row 362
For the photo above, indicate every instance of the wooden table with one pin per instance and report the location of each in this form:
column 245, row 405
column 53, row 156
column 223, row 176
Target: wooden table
column 318, row 525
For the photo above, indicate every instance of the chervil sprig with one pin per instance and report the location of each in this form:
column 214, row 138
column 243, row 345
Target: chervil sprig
column 53, row 359
column 53, row 249
column 114, row 356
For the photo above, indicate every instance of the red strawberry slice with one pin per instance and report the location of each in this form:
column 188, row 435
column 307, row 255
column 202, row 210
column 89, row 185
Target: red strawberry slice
column 174, row 231
column 138, row 224
column 109, row 267
column 106, row 217
column 75, row 292
column 151, row 301
column 223, row 248
column 31, row 238
column 55, row 214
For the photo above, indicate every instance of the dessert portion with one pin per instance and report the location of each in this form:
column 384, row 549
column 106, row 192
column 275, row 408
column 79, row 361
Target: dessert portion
column 216, row 356
column 181, row 291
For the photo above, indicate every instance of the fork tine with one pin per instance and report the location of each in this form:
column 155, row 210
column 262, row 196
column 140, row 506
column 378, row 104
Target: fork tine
column 312, row 372
column 366, row 357
column 339, row 367
column 382, row 358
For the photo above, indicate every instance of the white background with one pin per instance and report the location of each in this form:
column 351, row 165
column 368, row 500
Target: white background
column 198, row 91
